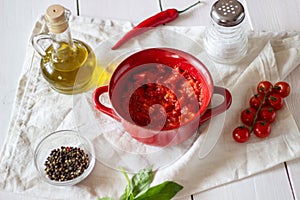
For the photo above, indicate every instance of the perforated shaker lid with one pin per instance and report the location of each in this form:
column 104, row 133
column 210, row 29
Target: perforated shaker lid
column 56, row 18
column 227, row 12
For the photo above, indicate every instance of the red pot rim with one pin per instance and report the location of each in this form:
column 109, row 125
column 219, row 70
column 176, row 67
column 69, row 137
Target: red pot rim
column 163, row 55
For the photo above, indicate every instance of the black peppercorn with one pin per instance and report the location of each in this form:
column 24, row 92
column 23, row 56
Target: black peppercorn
column 66, row 163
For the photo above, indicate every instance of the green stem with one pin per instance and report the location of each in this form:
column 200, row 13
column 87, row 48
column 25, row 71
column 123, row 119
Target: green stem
column 125, row 174
column 181, row 11
column 258, row 110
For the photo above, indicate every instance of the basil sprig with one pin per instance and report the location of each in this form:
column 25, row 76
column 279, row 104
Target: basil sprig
column 138, row 187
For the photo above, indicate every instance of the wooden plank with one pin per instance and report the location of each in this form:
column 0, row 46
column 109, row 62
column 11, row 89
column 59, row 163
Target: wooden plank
column 294, row 174
column 272, row 184
column 137, row 10
column 274, row 15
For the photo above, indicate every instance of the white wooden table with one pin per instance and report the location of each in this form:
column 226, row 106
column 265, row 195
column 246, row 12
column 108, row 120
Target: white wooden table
column 18, row 18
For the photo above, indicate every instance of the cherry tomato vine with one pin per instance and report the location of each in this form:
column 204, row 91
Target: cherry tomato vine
column 258, row 117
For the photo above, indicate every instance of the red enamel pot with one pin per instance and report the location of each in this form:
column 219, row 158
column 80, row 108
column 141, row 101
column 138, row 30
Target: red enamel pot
column 161, row 96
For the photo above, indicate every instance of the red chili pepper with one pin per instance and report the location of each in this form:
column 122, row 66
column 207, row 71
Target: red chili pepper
column 151, row 22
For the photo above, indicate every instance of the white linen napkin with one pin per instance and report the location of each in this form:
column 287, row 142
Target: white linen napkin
column 39, row 110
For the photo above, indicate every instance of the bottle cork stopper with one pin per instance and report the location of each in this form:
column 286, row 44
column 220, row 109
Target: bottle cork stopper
column 56, row 18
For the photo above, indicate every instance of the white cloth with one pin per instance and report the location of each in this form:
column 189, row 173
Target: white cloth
column 38, row 110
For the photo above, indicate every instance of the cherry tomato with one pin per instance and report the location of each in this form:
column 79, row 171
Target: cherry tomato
column 248, row 115
column 275, row 100
column 267, row 114
column 256, row 100
column 262, row 129
column 282, row 88
column 241, row 134
column 264, row 87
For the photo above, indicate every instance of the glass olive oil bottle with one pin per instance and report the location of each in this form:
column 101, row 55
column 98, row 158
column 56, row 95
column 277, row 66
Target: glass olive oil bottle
column 67, row 64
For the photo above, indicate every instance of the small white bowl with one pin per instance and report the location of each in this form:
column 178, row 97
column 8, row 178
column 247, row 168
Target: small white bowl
column 55, row 140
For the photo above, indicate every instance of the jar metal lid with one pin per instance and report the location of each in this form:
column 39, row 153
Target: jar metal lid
column 227, row 12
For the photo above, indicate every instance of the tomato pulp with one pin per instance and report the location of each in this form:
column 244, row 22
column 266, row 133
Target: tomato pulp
column 159, row 97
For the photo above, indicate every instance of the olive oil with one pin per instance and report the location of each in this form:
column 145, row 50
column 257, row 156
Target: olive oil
column 69, row 70
column 67, row 64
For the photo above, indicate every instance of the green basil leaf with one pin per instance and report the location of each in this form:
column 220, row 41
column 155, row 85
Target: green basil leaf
column 141, row 181
column 164, row 191
column 105, row 198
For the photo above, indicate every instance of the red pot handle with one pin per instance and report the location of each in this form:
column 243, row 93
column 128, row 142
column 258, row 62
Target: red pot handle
column 99, row 106
column 211, row 112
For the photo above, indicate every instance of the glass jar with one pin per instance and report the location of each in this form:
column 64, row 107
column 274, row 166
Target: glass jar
column 66, row 63
column 225, row 40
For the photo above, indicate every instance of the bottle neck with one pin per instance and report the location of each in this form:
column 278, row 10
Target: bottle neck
column 57, row 20
column 63, row 46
